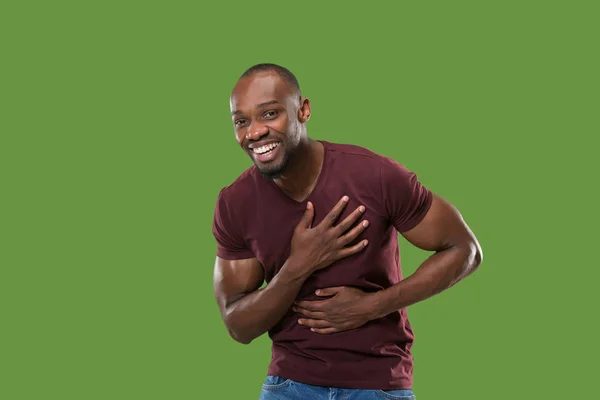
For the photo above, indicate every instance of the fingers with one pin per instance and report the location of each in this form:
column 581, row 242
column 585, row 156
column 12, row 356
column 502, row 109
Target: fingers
column 348, row 251
column 309, row 314
column 349, row 221
column 318, row 326
column 334, row 214
column 325, row 331
column 314, row 323
column 330, row 291
column 353, row 234
column 307, row 218
column 311, row 305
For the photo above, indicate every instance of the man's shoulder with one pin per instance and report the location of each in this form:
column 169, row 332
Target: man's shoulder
column 357, row 156
column 241, row 186
column 365, row 163
column 354, row 152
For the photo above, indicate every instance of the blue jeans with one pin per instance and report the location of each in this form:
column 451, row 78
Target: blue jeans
column 276, row 388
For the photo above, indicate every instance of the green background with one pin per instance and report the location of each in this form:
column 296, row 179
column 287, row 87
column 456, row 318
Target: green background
column 116, row 138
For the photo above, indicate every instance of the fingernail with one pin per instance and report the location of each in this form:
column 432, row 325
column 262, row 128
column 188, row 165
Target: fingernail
column 362, row 209
column 345, row 198
column 300, row 322
column 366, row 223
column 365, row 243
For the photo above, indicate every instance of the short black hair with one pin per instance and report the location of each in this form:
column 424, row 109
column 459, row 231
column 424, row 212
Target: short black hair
column 283, row 72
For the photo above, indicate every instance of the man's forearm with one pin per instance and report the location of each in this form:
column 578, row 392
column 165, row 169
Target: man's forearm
column 254, row 314
column 438, row 273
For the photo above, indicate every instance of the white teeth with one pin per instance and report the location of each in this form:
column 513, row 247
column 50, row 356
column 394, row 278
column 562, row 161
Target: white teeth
column 265, row 148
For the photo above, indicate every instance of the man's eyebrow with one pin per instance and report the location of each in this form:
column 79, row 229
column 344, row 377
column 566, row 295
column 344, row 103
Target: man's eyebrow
column 266, row 103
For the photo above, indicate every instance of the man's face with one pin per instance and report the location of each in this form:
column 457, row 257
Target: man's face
column 267, row 119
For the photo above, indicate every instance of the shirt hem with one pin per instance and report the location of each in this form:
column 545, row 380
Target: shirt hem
column 397, row 384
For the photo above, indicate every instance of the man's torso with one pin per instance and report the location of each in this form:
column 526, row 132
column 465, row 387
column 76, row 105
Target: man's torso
column 376, row 355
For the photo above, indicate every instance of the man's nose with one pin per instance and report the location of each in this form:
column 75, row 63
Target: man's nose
column 256, row 132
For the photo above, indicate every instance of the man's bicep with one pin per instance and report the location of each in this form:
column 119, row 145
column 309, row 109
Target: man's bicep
column 442, row 227
column 234, row 279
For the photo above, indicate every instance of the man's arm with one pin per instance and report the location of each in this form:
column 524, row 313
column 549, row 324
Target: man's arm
column 429, row 223
column 248, row 311
column 457, row 254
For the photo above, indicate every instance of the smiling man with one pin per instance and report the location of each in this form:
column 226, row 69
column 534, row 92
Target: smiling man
column 319, row 223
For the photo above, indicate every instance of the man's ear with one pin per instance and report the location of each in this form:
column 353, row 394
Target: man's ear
column 304, row 110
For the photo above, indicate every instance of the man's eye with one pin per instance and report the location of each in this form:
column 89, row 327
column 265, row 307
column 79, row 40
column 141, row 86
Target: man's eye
column 239, row 122
column 270, row 114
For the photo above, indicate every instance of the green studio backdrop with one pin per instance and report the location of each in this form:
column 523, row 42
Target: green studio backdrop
column 116, row 138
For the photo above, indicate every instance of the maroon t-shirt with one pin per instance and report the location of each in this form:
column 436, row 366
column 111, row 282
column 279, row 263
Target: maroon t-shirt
column 255, row 219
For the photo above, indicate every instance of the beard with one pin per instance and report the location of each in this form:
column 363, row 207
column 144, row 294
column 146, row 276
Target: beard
column 274, row 171
column 287, row 147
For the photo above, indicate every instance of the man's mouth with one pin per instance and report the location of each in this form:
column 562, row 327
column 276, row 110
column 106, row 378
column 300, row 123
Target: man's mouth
column 265, row 149
column 266, row 152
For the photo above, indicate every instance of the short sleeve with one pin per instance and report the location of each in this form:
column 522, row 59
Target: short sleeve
column 227, row 232
column 407, row 200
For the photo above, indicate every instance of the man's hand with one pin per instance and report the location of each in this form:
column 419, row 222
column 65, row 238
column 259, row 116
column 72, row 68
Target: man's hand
column 349, row 308
column 248, row 310
column 318, row 247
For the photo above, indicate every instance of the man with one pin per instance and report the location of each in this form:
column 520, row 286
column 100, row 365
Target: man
column 319, row 222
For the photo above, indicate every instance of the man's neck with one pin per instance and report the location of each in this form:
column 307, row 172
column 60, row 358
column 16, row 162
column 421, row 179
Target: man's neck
column 302, row 173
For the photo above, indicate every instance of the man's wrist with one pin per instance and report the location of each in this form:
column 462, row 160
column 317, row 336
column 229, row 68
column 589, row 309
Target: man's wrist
column 383, row 302
column 294, row 271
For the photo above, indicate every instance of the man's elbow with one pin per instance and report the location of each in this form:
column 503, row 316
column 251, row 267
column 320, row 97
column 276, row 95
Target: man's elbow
column 238, row 334
column 475, row 255
column 243, row 339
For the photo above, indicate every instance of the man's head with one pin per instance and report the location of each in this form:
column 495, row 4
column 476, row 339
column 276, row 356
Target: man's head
column 269, row 116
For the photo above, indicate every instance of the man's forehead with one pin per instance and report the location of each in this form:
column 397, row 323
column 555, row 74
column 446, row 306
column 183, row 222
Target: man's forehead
column 259, row 88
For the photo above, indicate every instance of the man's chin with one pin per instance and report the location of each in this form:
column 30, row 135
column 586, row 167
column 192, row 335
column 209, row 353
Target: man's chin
column 269, row 173
column 272, row 169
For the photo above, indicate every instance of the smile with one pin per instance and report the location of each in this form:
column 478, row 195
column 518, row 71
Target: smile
column 266, row 148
